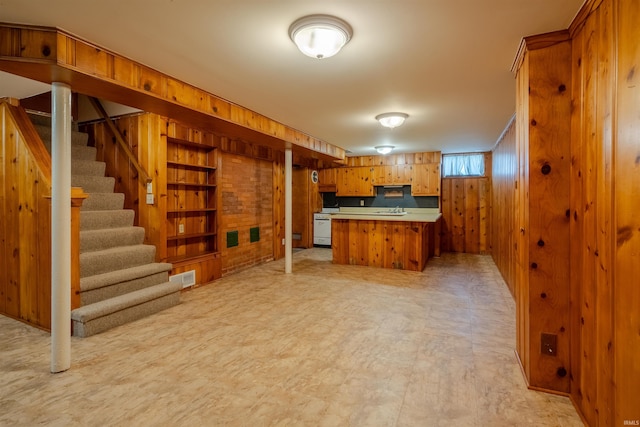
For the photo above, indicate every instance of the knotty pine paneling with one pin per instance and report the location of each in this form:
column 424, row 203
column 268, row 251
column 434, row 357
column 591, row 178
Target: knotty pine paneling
column 605, row 190
column 466, row 215
column 278, row 205
column 503, row 187
column 465, row 202
column 25, row 230
column 625, row 292
column 395, row 159
column 301, row 208
column 603, row 200
column 145, row 134
column 542, row 291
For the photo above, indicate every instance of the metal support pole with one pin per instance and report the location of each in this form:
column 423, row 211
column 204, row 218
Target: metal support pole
column 60, row 228
column 288, row 211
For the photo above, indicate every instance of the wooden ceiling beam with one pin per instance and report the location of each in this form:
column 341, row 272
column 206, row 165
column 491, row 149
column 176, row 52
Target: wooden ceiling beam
column 51, row 55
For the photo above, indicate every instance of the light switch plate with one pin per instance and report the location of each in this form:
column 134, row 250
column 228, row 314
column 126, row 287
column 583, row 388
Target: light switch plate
column 181, row 228
column 150, row 199
column 149, row 188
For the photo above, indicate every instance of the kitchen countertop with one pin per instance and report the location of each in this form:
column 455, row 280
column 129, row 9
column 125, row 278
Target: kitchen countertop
column 374, row 214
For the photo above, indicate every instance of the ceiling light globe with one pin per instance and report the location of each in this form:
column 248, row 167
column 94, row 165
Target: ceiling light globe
column 384, row 149
column 320, row 36
column 391, row 120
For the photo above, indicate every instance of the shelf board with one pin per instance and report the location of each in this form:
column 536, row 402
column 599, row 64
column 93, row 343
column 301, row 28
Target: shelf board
column 186, row 143
column 203, row 210
column 192, row 184
column 191, row 236
column 181, row 258
column 191, row 165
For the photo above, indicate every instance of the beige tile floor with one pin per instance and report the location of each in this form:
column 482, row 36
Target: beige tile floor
column 328, row 345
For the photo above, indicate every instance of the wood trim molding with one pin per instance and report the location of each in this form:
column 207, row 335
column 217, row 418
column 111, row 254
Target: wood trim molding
column 539, row 41
column 585, row 11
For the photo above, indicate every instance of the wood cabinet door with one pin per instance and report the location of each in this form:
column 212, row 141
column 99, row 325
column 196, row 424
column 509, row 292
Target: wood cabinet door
column 402, row 174
column 378, row 175
column 363, row 180
column 327, row 176
column 355, row 181
column 426, row 180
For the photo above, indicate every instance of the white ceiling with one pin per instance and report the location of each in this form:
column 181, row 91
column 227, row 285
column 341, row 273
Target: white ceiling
column 444, row 62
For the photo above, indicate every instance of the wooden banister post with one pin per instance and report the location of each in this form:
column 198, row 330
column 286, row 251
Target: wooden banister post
column 77, row 198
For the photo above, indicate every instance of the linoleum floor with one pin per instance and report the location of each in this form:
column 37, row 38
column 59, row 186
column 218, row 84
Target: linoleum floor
column 329, row 345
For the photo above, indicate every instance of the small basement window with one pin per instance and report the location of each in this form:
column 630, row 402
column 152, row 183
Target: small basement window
column 463, row 165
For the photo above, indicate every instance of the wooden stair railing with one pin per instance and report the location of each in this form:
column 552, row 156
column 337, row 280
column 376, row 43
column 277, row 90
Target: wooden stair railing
column 143, row 176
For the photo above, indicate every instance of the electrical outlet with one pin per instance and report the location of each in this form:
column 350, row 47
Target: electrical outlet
column 181, row 228
column 549, row 344
column 150, row 199
column 361, row 202
column 283, row 242
column 149, row 188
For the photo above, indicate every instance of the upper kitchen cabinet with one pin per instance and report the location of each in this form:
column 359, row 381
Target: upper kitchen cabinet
column 425, row 179
column 327, row 179
column 393, row 175
column 354, row 182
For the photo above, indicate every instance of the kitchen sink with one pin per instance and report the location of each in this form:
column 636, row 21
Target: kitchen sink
column 376, row 213
column 390, row 213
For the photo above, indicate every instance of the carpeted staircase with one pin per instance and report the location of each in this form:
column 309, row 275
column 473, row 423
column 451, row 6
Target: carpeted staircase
column 119, row 280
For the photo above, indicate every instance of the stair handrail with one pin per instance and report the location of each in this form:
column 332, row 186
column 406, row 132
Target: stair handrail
column 142, row 174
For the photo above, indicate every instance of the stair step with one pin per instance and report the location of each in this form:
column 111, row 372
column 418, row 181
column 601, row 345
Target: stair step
column 109, row 285
column 94, row 220
column 94, row 184
column 103, row 202
column 112, row 259
column 98, row 317
column 45, row 132
column 125, row 275
column 79, row 152
column 97, row 240
column 88, row 167
column 44, row 119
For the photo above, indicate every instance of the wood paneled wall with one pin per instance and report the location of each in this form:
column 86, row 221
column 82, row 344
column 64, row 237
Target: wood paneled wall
column 25, row 229
column 145, row 134
column 301, row 209
column 278, row 206
column 542, row 209
column 603, row 201
column 394, row 159
column 466, row 212
column 503, row 187
column 466, row 219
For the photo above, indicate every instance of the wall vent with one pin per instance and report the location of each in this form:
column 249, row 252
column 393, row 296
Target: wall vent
column 188, row 278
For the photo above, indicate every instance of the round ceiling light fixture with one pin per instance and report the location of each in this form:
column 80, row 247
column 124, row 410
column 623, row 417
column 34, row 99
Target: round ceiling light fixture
column 384, row 149
column 320, row 36
column 391, row 120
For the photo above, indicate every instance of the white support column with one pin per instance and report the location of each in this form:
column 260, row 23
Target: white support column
column 288, row 211
column 60, row 228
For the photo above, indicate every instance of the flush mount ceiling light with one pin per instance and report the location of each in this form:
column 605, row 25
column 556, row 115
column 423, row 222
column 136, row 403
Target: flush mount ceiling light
column 384, row 149
column 391, row 120
column 320, row 36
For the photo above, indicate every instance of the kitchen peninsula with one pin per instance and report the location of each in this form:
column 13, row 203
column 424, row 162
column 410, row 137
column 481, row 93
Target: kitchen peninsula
column 383, row 237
